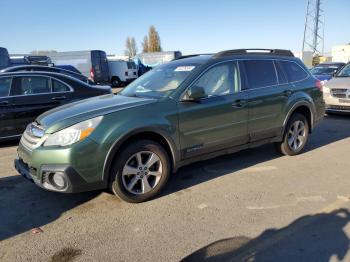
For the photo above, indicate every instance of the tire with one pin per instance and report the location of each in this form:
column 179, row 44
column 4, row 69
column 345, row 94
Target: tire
column 116, row 82
column 134, row 182
column 297, row 130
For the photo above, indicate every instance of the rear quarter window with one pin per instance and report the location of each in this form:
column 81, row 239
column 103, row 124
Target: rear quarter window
column 260, row 73
column 294, row 72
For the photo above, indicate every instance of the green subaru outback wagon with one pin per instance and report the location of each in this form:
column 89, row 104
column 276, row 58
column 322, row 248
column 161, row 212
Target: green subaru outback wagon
column 191, row 109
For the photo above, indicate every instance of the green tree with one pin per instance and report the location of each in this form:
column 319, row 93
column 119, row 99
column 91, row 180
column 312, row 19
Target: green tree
column 154, row 44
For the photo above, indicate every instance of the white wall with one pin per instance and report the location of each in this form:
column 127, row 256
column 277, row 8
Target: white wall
column 341, row 53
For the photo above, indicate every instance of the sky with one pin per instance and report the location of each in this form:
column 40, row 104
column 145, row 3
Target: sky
column 190, row 26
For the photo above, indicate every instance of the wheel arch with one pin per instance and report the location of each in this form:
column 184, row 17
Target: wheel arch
column 157, row 136
column 304, row 108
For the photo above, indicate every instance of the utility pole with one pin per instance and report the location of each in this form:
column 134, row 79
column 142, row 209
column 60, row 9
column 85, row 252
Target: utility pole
column 314, row 28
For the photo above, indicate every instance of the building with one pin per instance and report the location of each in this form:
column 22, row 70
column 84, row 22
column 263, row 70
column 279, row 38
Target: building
column 341, row 53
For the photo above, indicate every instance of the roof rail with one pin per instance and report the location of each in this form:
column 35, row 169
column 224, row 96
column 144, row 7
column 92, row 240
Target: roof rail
column 255, row 51
column 187, row 56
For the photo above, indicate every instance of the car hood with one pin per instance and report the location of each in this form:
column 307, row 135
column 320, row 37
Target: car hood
column 339, row 82
column 323, row 77
column 70, row 114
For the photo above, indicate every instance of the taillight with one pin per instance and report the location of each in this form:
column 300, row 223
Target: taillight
column 126, row 73
column 319, row 85
column 92, row 75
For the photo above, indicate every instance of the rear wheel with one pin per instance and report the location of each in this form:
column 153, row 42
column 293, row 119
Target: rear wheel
column 295, row 136
column 116, row 82
column 140, row 171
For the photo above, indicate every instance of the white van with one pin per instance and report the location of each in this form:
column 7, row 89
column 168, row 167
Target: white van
column 122, row 72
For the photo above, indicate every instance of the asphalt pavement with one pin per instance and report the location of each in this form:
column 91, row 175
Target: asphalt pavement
column 254, row 205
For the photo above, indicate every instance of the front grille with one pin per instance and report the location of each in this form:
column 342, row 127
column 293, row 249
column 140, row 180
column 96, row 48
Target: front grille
column 340, row 93
column 347, row 108
column 33, row 136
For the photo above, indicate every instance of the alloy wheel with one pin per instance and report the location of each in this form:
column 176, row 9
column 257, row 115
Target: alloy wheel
column 296, row 135
column 142, row 172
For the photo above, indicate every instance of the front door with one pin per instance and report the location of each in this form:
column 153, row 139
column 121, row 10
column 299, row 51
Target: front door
column 217, row 121
column 7, row 120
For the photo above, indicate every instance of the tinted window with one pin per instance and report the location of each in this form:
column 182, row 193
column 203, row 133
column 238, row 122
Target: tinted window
column 5, row 85
column 293, row 71
column 129, row 65
column 59, row 86
column 220, row 80
column 260, row 73
column 34, row 85
column 282, row 79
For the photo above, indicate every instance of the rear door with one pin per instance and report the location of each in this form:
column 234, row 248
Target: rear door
column 32, row 97
column 100, row 66
column 267, row 95
column 7, row 120
column 219, row 120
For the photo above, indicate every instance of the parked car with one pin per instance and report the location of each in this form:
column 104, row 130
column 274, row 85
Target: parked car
column 92, row 63
column 184, row 111
column 25, row 95
column 4, row 58
column 325, row 71
column 122, row 72
column 47, row 69
column 337, row 92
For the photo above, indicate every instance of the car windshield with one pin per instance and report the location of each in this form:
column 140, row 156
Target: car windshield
column 345, row 71
column 160, row 81
column 324, row 70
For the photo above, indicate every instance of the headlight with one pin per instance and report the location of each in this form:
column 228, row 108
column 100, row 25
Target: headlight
column 73, row 133
column 324, row 82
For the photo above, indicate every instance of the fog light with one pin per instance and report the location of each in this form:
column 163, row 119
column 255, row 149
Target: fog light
column 59, row 180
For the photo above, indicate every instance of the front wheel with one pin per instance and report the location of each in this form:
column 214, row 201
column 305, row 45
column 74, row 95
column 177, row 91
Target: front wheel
column 295, row 136
column 140, row 171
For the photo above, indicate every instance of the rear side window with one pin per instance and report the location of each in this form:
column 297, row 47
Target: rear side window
column 5, row 85
column 59, row 87
column 29, row 85
column 293, row 71
column 260, row 73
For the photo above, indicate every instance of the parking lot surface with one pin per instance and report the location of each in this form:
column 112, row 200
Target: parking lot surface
column 254, row 205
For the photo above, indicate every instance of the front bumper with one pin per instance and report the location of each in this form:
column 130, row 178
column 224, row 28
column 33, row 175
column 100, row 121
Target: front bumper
column 80, row 166
column 334, row 104
column 73, row 181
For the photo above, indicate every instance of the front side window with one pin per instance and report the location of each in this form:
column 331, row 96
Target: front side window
column 161, row 81
column 29, row 85
column 293, row 71
column 260, row 73
column 5, row 85
column 220, row 80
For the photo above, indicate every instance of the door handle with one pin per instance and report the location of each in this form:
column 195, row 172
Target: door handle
column 287, row 93
column 239, row 103
column 4, row 103
column 58, row 98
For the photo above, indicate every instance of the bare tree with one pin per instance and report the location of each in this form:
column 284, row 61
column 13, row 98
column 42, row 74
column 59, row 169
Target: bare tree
column 145, row 45
column 131, row 48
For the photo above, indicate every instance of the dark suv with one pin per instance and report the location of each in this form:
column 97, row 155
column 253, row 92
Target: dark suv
column 190, row 109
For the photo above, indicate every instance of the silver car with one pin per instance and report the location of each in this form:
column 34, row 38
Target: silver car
column 336, row 92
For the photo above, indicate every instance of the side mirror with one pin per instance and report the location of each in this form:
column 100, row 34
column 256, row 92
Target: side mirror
column 195, row 93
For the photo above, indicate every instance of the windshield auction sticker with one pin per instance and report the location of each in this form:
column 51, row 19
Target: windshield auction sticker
column 184, row 68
